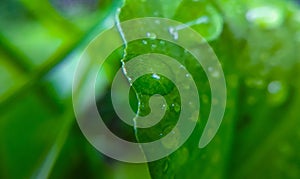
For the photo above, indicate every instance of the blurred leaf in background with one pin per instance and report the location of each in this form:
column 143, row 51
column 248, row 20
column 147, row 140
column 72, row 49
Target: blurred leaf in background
column 257, row 43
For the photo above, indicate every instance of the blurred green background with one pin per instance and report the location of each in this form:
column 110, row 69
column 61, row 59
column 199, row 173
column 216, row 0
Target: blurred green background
column 257, row 42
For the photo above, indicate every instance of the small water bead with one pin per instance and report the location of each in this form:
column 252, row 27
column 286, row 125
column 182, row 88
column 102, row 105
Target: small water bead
column 155, row 76
column 176, row 107
column 173, row 31
column 278, row 92
column 182, row 68
column 144, row 42
column 129, row 80
column 214, row 73
column 205, row 98
column 157, row 21
column 274, row 87
column 162, row 42
column 153, row 46
column 151, row 35
column 265, row 16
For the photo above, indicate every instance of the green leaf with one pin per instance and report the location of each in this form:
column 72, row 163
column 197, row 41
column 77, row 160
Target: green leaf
column 188, row 161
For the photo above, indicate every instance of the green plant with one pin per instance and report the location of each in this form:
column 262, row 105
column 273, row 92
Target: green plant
column 256, row 42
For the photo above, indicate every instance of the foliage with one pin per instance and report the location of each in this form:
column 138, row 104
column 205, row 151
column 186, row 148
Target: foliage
column 256, row 42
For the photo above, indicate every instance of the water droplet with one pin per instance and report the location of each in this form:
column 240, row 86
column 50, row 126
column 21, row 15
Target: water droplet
column 150, row 35
column 214, row 73
column 144, row 42
column 187, row 75
column 129, row 80
column 265, row 16
column 274, row 87
column 174, row 33
column 278, row 93
column 176, row 107
column 162, row 42
column 157, row 21
column 155, row 76
column 205, row 98
column 153, row 46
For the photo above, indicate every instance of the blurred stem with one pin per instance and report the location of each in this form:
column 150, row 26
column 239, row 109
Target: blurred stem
column 53, row 61
column 64, row 51
column 53, row 21
column 48, row 163
column 17, row 58
column 18, row 61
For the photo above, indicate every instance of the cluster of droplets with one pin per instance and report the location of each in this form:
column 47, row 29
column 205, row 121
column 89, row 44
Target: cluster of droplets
column 152, row 36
